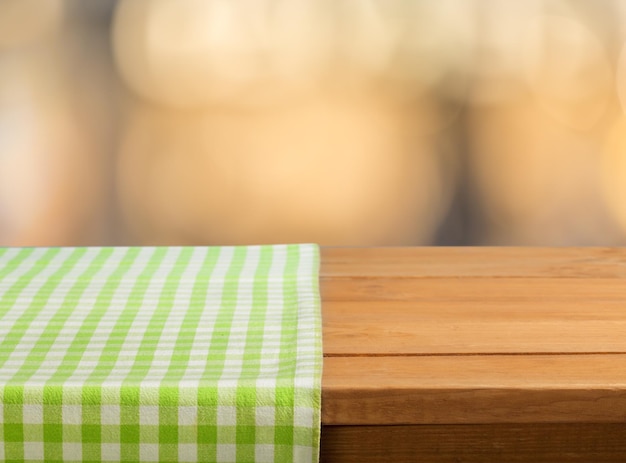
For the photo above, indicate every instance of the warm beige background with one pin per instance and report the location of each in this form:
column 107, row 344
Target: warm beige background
column 345, row 122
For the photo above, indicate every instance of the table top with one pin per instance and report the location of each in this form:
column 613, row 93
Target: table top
column 473, row 335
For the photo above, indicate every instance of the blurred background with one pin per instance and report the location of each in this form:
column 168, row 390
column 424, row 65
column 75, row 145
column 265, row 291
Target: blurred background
column 341, row 122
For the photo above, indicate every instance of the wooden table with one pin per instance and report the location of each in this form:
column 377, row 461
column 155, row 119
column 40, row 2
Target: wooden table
column 474, row 354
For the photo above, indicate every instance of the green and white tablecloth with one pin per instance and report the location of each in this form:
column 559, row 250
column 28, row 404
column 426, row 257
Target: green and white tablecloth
column 149, row 354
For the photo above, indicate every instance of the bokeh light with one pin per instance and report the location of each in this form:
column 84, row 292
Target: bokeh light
column 344, row 122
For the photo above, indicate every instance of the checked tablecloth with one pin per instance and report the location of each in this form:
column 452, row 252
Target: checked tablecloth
column 149, row 354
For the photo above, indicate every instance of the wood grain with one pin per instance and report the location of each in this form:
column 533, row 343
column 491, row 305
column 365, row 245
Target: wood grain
column 514, row 443
column 473, row 290
column 435, row 262
column 474, row 354
column 377, row 334
column 385, row 315
column 474, row 389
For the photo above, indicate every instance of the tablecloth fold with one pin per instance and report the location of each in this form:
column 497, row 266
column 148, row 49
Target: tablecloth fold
column 145, row 354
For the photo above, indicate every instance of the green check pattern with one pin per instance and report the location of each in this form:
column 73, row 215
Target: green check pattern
column 168, row 354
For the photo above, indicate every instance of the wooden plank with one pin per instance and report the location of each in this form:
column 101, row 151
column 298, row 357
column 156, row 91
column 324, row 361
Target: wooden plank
column 498, row 262
column 450, row 311
column 499, row 318
column 474, row 389
column 473, row 290
column 437, row 338
column 380, row 335
column 514, row 443
column 408, row 314
column 399, row 317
